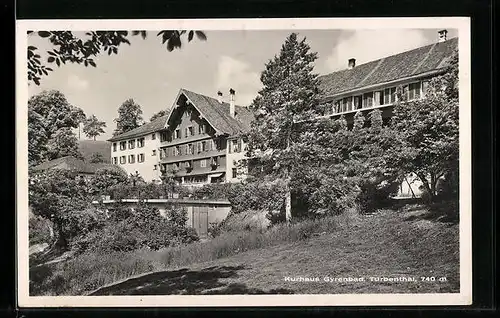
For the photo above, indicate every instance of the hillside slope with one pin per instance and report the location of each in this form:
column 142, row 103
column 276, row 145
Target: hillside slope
column 387, row 245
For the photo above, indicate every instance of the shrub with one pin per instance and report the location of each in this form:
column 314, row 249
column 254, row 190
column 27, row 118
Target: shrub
column 375, row 195
column 39, row 230
column 142, row 228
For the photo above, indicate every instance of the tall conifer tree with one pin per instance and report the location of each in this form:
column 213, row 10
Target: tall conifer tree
column 288, row 100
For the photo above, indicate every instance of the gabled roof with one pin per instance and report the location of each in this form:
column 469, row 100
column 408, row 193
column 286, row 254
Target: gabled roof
column 74, row 164
column 217, row 114
column 89, row 147
column 422, row 60
column 155, row 125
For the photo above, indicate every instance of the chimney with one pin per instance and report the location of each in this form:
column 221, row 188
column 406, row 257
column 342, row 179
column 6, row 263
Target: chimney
column 231, row 102
column 442, row 35
column 219, row 97
column 351, row 63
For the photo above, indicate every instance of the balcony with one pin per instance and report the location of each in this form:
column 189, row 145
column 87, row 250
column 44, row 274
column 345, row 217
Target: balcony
column 196, row 155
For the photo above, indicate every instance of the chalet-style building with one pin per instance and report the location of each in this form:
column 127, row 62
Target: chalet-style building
column 200, row 139
column 373, row 85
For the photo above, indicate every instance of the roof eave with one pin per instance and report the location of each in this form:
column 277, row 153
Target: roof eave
column 378, row 85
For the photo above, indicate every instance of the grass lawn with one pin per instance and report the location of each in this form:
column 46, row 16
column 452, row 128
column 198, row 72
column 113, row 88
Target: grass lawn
column 389, row 244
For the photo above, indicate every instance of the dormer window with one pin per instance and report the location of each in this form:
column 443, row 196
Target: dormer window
column 177, row 134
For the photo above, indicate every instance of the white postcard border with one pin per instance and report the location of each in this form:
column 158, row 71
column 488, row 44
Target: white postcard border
column 462, row 298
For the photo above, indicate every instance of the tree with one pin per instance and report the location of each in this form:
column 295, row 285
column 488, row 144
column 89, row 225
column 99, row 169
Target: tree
column 48, row 112
column 129, row 117
column 63, row 143
column 428, row 133
column 58, row 196
column 105, row 178
column 67, row 47
column 157, row 115
column 167, row 178
column 93, row 127
column 289, row 96
column 96, row 158
column 37, row 138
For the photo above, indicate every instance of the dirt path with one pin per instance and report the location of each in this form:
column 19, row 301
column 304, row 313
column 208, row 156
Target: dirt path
column 385, row 246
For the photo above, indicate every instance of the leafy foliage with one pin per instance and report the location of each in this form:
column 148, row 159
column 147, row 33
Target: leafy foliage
column 48, row 113
column 427, row 132
column 157, row 115
column 106, row 178
column 129, row 117
column 57, row 195
column 92, row 127
column 96, row 158
column 143, row 227
column 63, row 143
column 68, row 47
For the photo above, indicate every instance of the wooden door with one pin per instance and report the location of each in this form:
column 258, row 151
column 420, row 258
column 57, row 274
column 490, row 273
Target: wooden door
column 200, row 221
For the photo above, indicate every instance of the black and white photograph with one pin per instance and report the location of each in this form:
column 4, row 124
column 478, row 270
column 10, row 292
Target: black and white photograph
column 222, row 162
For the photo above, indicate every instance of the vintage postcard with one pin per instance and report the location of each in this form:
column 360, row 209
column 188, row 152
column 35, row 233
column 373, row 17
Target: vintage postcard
column 243, row 162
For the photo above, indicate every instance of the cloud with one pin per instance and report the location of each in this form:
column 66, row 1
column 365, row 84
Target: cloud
column 77, row 83
column 236, row 74
column 368, row 45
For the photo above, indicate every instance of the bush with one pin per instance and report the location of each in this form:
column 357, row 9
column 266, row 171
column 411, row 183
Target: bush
column 39, row 230
column 375, row 195
column 142, row 228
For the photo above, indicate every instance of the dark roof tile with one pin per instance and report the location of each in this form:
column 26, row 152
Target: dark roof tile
column 217, row 114
column 418, row 61
column 147, row 128
column 74, row 164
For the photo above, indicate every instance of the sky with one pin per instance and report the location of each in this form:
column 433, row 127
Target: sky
column 146, row 72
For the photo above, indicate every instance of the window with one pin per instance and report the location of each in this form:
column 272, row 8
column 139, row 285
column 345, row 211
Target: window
column 140, row 157
column 358, row 102
column 123, row 160
column 177, row 165
column 153, row 137
column 163, row 136
column 336, row 107
column 190, row 131
column 114, row 146
column 131, row 158
column 404, row 94
column 115, row 160
column 165, row 152
column 368, row 99
column 131, row 144
column 203, row 163
column 140, row 142
column 414, row 91
column 177, row 133
column 154, row 153
column 123, row 145
column 234, row 145
column 187, row 164
column 389, row 95
column 190, row 149
column 198, row 146
column 235, row 173
column 177, row 151
column 378, row 98
column 214, row 161
column 239, row 145
column 347, row 104
column 201, row 129
column 203, row 146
